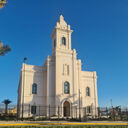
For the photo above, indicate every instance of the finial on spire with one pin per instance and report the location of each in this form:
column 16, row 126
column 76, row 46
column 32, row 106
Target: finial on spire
column 60, row 12
column 61, row 18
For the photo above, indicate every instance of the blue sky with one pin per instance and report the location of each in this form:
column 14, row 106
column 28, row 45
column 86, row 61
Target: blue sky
column 100, row 37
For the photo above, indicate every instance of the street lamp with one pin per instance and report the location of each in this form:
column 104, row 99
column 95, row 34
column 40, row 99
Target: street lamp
column 23, row 89
column 111, row 102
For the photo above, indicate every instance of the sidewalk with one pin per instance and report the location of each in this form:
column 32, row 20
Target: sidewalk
column 48, row 123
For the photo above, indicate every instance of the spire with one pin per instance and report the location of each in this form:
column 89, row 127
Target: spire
column 61, row 18
column 61, row 22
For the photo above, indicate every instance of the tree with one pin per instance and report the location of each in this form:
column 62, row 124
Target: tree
column 2, row 3
column 4, row 49
column 6, row 102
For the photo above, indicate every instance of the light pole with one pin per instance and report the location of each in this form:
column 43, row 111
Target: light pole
column 111, row 102
column 23, row 88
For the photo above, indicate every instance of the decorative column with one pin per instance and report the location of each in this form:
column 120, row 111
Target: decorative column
column 47, row 111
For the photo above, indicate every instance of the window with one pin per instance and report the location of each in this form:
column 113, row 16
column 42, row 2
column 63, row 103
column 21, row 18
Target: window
column 87, row 91
column 33, row 109
column 34, row 88
column 66, row 88
column 63, row 40
column 88, row 109
column 54, row 43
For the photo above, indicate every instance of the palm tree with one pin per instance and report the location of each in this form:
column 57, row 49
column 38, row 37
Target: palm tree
column 6, row 102
column 4, row 49
column 2, row 3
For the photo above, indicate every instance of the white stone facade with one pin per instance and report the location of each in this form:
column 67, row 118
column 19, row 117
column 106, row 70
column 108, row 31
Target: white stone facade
column 60, row 81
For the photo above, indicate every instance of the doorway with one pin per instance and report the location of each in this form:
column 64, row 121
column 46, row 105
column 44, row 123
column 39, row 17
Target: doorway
column 66, row 109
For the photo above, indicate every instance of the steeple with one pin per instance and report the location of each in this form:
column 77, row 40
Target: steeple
column 62, row 23
column 61, row 36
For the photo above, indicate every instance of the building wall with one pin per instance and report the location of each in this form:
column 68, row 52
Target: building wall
column 50, row 84
column 89, row 79
column 33, row 74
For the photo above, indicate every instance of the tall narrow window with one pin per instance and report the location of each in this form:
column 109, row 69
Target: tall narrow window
column 34, row 88
column 63, row 40
column 88, row 109
column 66, row 87
column 54, row 43
column 87, row 91
column 33, row 109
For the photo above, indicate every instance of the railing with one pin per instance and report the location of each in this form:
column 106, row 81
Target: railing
column 32, row 112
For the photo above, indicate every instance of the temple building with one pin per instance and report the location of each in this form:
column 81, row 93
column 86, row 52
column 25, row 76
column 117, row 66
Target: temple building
column 59, row 84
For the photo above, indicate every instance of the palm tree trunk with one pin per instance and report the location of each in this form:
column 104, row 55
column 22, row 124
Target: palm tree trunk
column 6, row 109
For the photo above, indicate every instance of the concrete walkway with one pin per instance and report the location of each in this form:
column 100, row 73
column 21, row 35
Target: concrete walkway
column 48, row 123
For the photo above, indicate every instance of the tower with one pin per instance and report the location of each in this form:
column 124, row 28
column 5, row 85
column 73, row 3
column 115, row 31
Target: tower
column 65, row 62
column 61, row 36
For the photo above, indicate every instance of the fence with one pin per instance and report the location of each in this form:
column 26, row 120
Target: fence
column 71, row 113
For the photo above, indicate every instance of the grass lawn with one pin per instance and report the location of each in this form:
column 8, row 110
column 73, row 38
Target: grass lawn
column 66, row 127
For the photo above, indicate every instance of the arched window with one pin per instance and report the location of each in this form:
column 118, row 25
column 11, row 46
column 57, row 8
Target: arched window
column 87, row 91
column 66, row 87
column 34, row 88
column 63, row 40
